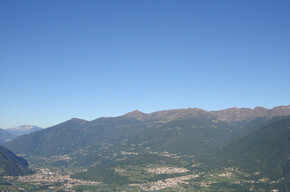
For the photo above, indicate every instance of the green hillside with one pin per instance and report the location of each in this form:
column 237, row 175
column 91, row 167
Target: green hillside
column 10, row 164
column 266, row 150
column 60, row 139
column 186, row 131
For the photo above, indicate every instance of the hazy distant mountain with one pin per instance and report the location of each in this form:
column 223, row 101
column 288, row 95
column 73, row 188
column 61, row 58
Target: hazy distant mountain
column 24, row 129
column 5, row 136
column 12, row 165
column 11, row 133
column 179, row 130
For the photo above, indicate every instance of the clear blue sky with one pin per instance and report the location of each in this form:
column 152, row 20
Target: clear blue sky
column 87, row 59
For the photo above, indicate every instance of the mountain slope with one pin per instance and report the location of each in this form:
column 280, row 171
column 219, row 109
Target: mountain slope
column 266, row 150
column 24, row 129
column 10, row 164
column 180, row 130
column 184, row 135
column 59, row 139
column 5, row 136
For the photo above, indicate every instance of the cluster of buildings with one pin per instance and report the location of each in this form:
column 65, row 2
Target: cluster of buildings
column 161, row 184
column 167, row 170
column 45, row 176
column 57, row 158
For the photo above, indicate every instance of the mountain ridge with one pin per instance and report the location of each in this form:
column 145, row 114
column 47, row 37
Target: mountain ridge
column 229, row 114
column 187, row 134
column 173, row 128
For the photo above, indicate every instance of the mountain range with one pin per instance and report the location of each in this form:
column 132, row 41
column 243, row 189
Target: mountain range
column 180, row 130
column 254, row 140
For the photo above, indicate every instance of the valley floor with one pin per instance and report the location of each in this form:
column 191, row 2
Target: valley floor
column 143, row 177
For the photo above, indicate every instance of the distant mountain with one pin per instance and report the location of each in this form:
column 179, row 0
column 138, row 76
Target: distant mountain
column 24, row 129
column 11, row 133
column 187, row 131
column 6, row 136
column 12, row 165
column 266, row 150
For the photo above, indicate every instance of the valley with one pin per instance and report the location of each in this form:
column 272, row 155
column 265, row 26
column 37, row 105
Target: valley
column 156, row 173
column 175, row 150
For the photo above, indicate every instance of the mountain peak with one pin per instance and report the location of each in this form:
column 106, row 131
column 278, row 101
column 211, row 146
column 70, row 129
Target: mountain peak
column 259, row 108
column 136, row 111
column 136, row 114
column 77, row 120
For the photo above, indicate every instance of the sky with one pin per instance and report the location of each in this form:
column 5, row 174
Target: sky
column 89, row 59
